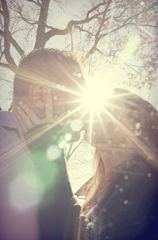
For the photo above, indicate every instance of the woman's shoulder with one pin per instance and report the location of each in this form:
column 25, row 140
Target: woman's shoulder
column 129, row 205
column 135, row 179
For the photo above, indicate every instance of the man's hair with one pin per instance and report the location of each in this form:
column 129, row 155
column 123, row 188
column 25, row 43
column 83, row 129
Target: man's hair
column 48, row 66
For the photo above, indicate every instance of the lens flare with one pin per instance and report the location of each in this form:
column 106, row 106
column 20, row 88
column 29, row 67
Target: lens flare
column 94, row 98
column 23, row 191
column 131, row 46
column 145, row 30
column 62, row 144
column 68, row 136
column 76, row 125
column 53, row 152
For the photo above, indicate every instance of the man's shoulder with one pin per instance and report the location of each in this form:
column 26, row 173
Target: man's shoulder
column 8, row 125
column 11, row 136
column 8, row 119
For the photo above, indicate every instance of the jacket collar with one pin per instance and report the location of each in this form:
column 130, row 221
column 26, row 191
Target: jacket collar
column 9, row 120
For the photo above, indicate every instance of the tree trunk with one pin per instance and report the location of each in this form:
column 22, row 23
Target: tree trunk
column 40, row 37
column 8, row 56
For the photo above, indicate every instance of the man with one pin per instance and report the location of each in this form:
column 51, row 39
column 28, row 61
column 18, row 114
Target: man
column 41, row 72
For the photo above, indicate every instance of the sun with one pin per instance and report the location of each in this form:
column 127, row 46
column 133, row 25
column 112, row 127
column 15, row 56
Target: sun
column 94, row 97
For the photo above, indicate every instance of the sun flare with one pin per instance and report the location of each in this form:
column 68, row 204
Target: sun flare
column 94, row 98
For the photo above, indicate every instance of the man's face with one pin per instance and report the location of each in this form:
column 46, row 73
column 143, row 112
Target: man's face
column 69, row 87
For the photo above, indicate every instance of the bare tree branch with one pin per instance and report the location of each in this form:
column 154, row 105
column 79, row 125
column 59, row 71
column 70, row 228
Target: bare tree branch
column 14, row 43
column 72, row 45
column 125, row 9
column 94, row 8
column 98, row 32
column 4, row 65
column 100, row 27
column 130, row 66
column 145, row 10
column 40, row 37
column 83, row 30
column 7, row 35
column 109, row 22
column 2, row 52
column 97, row 37
column 37, row 3
column 1, row 12
column 27, row 20
column 56, row 31
column 8, row 81
column 143, row 25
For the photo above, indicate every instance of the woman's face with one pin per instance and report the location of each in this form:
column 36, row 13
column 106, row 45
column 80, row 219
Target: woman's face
column 114, row 155
column 114, row 143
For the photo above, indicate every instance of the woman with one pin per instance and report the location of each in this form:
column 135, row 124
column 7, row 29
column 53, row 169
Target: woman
column 123, row 196
column 122, row 200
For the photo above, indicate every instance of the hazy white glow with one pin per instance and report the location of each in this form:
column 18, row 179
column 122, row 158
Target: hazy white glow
column 53, row 152
column 76, row 125
column 94, row 97
column 23, row 191
column 68, row 136
column 62, row 144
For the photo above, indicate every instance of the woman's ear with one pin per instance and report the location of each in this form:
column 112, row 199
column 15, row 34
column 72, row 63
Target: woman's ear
column 37, row 94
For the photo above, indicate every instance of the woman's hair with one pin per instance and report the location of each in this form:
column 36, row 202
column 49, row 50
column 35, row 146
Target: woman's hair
column 97, row 187
column 143, row 123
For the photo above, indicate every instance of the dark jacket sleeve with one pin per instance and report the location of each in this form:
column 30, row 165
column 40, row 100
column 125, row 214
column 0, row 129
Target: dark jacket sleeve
column 58, row 211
